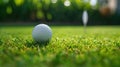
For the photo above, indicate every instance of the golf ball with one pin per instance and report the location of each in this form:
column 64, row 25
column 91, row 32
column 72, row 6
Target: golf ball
column 42, row 33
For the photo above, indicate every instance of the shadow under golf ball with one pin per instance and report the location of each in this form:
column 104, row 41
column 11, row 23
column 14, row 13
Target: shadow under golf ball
column 42, row 43
column 35, row 43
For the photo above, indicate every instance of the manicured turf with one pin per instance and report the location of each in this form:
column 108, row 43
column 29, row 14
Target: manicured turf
column 69, row 47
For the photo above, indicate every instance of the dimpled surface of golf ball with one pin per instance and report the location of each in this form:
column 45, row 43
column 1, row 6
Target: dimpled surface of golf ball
column 42, row 33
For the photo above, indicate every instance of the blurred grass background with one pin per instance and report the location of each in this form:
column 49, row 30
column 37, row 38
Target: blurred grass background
column 56, row 12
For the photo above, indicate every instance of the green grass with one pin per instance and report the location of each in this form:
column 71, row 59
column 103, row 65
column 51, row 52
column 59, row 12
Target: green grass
column 69, row 47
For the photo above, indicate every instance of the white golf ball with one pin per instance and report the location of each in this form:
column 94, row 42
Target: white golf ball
column 42, row 33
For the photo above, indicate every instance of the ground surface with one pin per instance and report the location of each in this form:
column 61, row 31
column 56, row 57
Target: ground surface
column 69, row 47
